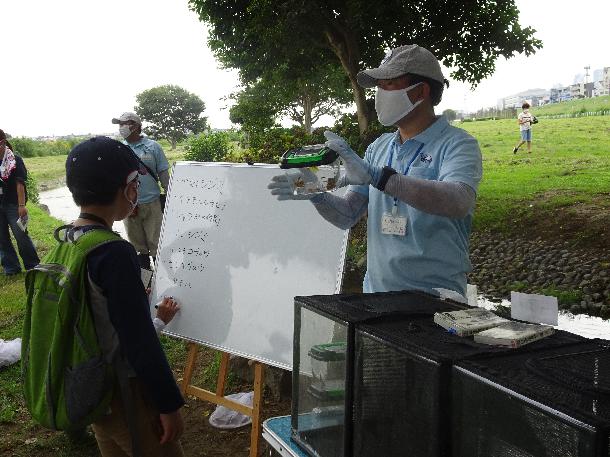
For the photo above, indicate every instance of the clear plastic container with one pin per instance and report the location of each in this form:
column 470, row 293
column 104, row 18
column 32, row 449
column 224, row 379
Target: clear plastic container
column 314, row 180
column 312, row 169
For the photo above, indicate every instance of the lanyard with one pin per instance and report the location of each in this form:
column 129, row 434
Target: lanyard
column 394, row 146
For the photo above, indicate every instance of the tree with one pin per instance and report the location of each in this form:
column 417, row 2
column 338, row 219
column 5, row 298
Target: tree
column 304, row 98
column 450, row 114
column 255, row 108
column 171, row 112
column 466, row 35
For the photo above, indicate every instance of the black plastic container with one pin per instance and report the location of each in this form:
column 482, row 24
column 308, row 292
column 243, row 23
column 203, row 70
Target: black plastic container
column 554, row 402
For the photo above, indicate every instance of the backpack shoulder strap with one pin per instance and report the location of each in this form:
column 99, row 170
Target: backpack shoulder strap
column 94, row 238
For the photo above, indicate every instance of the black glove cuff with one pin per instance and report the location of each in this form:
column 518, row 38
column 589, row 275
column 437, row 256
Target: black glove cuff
column 386, row 172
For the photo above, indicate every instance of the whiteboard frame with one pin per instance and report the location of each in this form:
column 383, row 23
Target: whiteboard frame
column 340, row 270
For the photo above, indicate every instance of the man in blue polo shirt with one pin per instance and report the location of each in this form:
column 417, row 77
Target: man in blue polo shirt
column 144, row 224
column 418, row 185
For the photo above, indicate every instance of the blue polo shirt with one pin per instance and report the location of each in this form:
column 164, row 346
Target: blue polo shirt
column 434, row 253
column 151, row 153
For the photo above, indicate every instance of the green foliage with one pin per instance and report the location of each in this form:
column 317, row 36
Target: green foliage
column 347, row 127
column 564, row 297
column 27, row 147
column 254, row 108
column 254, row 37
column 303, row 91
column 269, row 145
column 450, row 114
column 171, row 112
column 31, row 186
column 208, row 147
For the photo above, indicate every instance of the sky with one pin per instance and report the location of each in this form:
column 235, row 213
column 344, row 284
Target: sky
column 72, row 65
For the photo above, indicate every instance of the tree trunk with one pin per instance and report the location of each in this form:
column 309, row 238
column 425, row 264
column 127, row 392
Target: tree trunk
column 346, row 49
column 173, row 143
column 307, row 108
column 361, row 108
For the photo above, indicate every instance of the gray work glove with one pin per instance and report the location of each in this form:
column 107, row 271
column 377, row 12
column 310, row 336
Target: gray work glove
column 357, row 171
column 283, row 185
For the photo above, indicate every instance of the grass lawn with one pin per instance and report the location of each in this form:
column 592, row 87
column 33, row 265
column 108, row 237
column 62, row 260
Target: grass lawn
column 567, row 174
column 575, row 106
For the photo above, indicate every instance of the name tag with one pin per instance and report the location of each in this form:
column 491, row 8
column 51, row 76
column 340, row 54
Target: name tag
column 393, row 225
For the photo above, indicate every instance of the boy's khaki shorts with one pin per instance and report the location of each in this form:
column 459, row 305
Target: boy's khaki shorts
column 112, row 433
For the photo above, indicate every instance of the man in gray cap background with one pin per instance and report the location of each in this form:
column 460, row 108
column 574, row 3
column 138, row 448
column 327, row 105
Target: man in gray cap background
column 418, row 185
column 144, row 224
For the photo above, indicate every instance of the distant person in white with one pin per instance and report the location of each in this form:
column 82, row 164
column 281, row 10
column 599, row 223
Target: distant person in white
column 525, row 127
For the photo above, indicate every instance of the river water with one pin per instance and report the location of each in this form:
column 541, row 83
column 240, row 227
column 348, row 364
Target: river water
column 62, row 207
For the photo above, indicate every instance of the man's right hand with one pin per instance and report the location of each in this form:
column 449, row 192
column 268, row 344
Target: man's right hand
column 172, row 426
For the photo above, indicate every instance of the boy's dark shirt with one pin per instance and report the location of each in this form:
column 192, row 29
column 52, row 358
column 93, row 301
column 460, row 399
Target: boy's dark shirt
column 9, row 187
column 114, row 268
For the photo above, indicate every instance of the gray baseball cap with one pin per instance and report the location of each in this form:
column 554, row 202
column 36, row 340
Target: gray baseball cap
column 410, row 58
column 127, row 116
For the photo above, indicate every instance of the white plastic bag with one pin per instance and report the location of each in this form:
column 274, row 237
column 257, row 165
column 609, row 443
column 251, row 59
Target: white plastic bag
column 10, row 351
column 226, row 418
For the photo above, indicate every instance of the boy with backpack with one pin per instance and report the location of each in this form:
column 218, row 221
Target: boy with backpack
column 90, row 353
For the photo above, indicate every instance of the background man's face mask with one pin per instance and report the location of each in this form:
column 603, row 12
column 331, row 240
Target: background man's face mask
column 393, row 105
column 124, row 130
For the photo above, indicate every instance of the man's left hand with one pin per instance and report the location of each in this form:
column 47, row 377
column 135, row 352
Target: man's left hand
column 357, row 171
column 22, row 211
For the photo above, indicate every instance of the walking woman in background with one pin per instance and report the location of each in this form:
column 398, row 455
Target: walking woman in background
column 13, row 213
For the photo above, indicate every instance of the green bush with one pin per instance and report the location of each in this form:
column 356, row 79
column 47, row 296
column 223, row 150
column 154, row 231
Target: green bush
column 268, row 146
column 31, row 186
column 27, row 147
column 208, row 147
column 347, row 127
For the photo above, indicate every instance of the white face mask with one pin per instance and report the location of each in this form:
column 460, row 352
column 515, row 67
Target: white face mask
column 124, row 130
column 393, row 105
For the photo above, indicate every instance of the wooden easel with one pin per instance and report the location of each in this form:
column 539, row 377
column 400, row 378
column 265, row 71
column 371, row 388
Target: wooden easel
column 218, row 397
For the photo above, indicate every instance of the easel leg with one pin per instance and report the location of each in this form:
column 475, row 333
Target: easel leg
column 222, row 374
column 190, row 366
column 256, row 407
column 218, row 396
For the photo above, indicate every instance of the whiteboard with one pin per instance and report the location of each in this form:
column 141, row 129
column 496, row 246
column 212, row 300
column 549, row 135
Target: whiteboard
column 235, row 258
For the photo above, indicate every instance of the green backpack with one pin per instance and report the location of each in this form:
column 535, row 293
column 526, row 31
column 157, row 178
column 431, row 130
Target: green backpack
column 66, row 381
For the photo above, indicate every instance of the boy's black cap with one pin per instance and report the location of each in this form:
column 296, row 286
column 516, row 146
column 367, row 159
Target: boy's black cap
column 100, row 165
